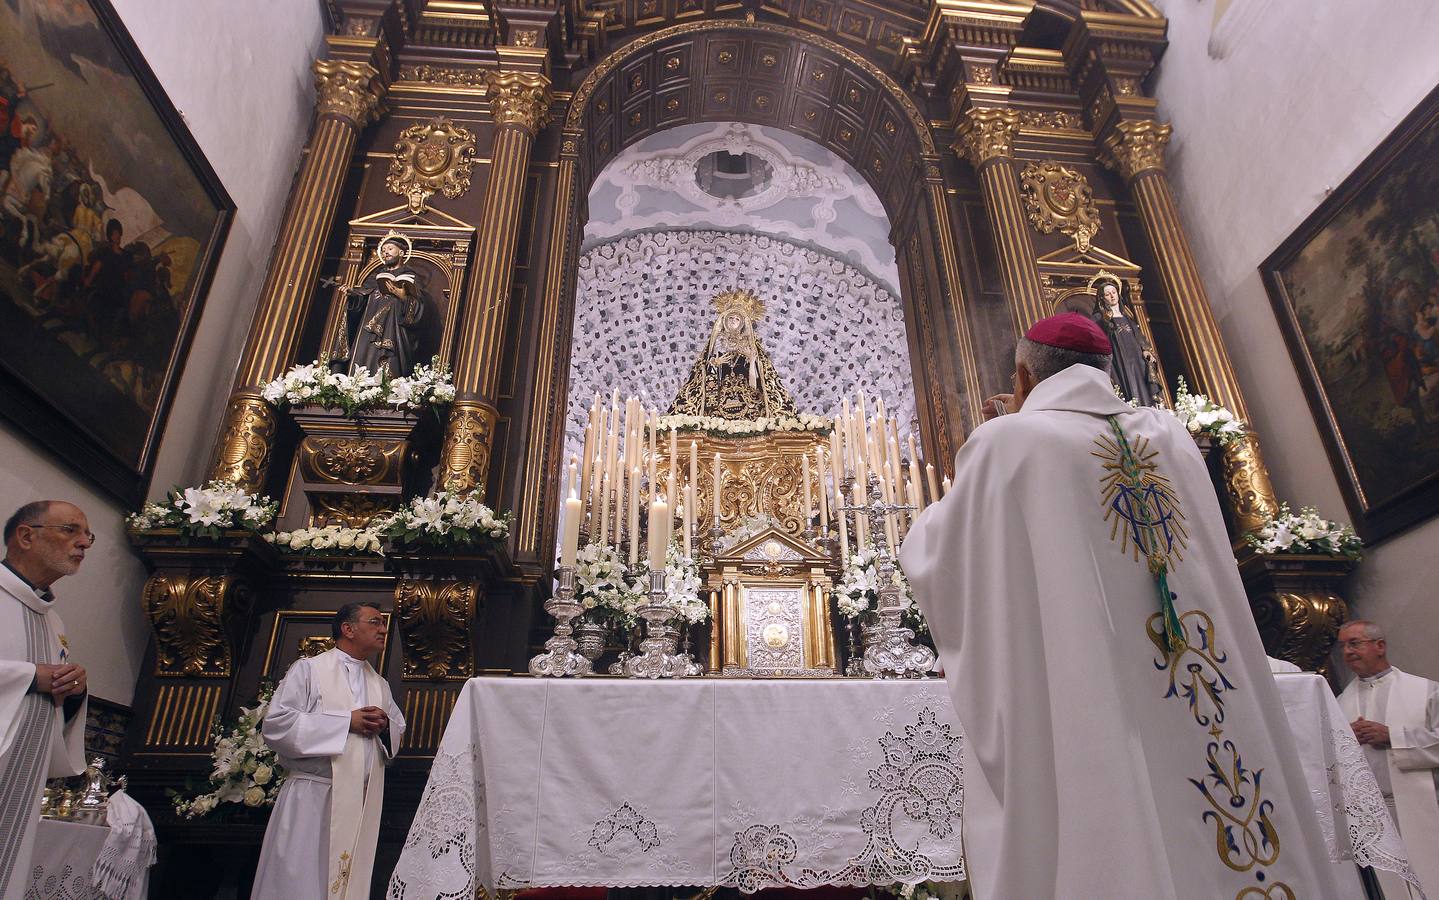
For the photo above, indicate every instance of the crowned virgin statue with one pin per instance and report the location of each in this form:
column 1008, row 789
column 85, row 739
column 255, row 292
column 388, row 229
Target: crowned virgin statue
column 379, row 327
column 1134, row 366
column 733, row 377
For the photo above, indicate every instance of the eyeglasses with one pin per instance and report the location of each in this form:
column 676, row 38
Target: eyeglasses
column 375, row 623
column 1354, row 643
column 70, row 530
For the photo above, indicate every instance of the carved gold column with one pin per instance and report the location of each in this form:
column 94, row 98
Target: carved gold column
column 986, row 139
column 348, row 98
column 1136, row 150
column 520, row 103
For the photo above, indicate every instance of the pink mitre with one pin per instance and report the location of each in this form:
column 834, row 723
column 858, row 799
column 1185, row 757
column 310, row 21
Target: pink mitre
column 1070, row 331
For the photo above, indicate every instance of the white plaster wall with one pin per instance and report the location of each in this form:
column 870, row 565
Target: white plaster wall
column 238, row 71
column 1302, row 94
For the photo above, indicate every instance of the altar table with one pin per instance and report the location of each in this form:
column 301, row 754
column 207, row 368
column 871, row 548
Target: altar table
column 64, row 860
column 694, row 782
column 756, row 784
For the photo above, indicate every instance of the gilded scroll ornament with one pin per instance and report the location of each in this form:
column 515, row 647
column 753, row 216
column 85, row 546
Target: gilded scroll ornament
column 435, row 628
column 986, row 134
column 351, row 460
column 1058, row 198
column 431, row 158
column 1135, row 147
column 349, row 90
column 243, row 453
column 1251, row 494
column 187, row 614
column 1300, row 625
column 521, row 99
column 349, row 510
column 465, row 457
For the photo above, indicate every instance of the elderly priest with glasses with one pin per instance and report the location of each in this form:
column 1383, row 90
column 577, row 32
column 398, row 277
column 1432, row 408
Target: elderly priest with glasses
column 1124, row 736
column 335, row 727
column 43, row 694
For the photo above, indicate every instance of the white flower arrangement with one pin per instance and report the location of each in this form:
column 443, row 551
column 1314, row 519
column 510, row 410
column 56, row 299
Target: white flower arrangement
column 747, row 427
column 329, row 540
column 446, row 519
column 925, row 890
column 314, row 383
column 206, row 511
column 682, row 587
column 245, row 771
column 858, row 590
column 1201, row 415
column 603, row 585
column 1307, row 532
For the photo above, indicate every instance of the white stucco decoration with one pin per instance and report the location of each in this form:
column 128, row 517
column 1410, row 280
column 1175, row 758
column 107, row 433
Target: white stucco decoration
column 643, row 311
column 813, row 197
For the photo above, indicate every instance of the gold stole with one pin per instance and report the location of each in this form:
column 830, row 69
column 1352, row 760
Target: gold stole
column 354, row 806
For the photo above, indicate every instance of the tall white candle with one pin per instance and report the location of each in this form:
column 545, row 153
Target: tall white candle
column 861, row 527
column 823, row 494
column 806, row 504
column 674, row 445
column 574, row 511
column 694, row 462
column 930, row 477
column 717, row 488
column 916, row 494
column 634, row 516
column 605, row 510
column 689, row 517
column 659, row 532
column 653, row 420
column 946, row 486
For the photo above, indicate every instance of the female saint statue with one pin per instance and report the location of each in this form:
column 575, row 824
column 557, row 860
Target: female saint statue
column 733, row 377
column 1135, row 368
column 379, row 328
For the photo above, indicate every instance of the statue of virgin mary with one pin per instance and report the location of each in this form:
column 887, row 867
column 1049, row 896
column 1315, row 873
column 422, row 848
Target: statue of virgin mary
column 733, row 377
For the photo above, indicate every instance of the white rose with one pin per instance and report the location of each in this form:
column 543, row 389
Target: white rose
column 263, row 774
column 346, row 540
column 255, row 796
column 300, row 539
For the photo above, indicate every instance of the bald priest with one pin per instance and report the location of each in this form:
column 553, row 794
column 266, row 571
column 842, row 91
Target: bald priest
column 1125, row 738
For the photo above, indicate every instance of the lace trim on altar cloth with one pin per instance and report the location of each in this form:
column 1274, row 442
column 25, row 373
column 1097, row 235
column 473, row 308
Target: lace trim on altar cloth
column 69, row 884
column 921, row 779
column 445, row 827
column 1355, row 799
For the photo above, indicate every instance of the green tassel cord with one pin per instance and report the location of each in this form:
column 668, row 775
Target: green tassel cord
column 1144, row 521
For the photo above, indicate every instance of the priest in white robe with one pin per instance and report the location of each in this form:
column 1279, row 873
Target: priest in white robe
column 43, row 693
column 1124, row 735
column 1395, row 717
column 335, row 727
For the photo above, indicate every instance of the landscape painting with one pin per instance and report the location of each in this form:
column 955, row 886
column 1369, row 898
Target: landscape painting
column 110, row 224
column 1356, row 290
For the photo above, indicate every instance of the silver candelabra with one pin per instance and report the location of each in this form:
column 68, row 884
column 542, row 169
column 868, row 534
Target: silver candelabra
column 561, row 658
column 659, row 651
column 894, row 653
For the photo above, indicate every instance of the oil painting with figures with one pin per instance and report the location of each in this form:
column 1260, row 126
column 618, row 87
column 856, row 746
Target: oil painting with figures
column 109, row 220
column 1357, row 290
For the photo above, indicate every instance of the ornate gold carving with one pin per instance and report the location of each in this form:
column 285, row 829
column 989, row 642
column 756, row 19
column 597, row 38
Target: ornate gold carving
column 526, row 37
column 465, row 457
column 986, row 134
column 243, row 453
column 349, row 90
column 187, row 613
column 521, row 99
column 431, row 158
column 361, row 26
column 1246, row 481
column 1135, row 147
column 1300, row 626
column 1126, row 87
column 351, row 460
column 580, row 102
column 1051, row 119
column 435, row 628
column 315, row 644
column 983, row 75
column 456, row 77
column 1058, row 198
column 349, row 510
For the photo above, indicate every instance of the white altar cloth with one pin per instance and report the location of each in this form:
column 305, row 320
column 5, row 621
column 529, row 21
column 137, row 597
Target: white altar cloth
column 754, row 784
column 65, row 854
column 1356, row 824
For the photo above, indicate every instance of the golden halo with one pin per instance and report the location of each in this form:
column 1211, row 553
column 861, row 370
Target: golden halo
column 746, row 303
column 397, row 238
column 1105, row 277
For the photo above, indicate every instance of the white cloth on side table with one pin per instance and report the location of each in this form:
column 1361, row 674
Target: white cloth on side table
column 1352, row 814
column 123, row 870
column 1409, row 770
column 64, row 860
column 310, row 736
column 1090, row 743
column 694, row 782
column 36, row 740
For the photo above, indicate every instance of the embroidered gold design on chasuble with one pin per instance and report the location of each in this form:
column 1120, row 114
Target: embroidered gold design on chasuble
column 1144, row 514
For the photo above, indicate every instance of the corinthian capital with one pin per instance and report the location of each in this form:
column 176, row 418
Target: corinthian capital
column 986, row 134
column 1135, row 147
column 349, row 90
column 520, row 98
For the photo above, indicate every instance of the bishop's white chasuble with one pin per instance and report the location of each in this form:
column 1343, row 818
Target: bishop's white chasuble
column 320, row 842
column 36, row 741
column 1117, row 745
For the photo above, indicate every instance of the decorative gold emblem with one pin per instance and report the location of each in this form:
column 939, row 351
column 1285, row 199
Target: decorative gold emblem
column 1246, row 481
column 1058, row 198
column 432, row 158
column 1140, row 503
column 1135, row 147
column 465, row 457
column 187, row 613
column 315, row 645
column 243, row 453
column 986, row 134
column 348, row 90
column 435, row 628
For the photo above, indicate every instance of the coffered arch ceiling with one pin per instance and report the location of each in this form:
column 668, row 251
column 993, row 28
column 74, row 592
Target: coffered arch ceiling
column 764, row 74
